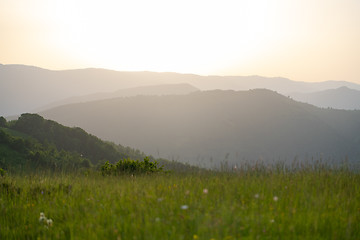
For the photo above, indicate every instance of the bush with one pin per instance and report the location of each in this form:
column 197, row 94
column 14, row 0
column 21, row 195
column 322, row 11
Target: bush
column 130, row 166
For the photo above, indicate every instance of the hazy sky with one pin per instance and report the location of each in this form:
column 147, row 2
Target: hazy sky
column 305, row 40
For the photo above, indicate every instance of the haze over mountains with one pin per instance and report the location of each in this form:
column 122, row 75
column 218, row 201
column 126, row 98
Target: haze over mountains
column 209, row 127
column 182, row 117
column 340, row 98
column 155, row 90
column 27, row 89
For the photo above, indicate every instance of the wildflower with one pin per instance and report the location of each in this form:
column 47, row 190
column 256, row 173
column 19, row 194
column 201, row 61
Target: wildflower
column 184, row 207
column 275, row 198
column 49, row 222
column 195, row 236
column 256, row 195
column 42, row 217
column 205, row 191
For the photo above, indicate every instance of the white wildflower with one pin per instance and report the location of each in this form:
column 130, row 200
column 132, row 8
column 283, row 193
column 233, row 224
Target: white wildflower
column 275, row 198
column 256, row 195
column 272, row 220
column 49, row 222
column 205, row 191
column 184, row 207
column 42, row 217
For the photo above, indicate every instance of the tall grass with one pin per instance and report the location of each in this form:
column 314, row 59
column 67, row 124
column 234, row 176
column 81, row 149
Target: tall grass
column 243, row 204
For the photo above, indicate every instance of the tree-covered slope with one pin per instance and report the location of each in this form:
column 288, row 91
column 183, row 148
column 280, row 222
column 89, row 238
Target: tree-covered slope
column 66, row 138
column 32, row 143
column 23, row 154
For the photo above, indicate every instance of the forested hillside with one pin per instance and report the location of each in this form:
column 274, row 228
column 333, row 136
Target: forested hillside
column 24, row 154
column 33, row 143
column 66, row 138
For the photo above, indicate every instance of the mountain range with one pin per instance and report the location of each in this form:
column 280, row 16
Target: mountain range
column 30, row 89
column 155, row 90
column 340, row 98
column 209, row 127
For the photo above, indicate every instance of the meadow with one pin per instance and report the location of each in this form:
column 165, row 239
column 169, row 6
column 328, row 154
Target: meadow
column 317, row 203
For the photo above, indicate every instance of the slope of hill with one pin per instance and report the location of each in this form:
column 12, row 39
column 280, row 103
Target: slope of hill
column 340, row 98
column 22, row 153
column 213, row 126
column 25, row 88
column 65, row 138
column 33, row 143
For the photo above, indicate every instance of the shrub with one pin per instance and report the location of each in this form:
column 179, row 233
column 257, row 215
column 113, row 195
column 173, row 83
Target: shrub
column 130, row 166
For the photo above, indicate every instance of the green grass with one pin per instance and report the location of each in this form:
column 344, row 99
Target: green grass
column 311, row 204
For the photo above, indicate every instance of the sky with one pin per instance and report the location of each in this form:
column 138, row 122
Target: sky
column 304, row 40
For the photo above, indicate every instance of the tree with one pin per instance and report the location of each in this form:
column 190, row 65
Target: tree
column 2, row 122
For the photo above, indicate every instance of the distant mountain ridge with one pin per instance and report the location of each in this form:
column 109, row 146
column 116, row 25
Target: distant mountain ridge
column 340, row 98
column 156, row 90
column 25, row 88
column 213, row 126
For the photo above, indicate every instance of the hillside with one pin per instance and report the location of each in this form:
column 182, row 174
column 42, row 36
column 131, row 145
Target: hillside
column 32, row 142
column 207, row 128
column 21, row 153
column 26, row 88
column 339, row 98
column 65, row 138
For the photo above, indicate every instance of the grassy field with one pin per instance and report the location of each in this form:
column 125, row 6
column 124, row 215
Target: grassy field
column 309, row 204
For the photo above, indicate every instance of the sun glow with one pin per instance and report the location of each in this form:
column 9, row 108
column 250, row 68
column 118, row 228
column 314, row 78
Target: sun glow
column 193, row 37
column 296, row 39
